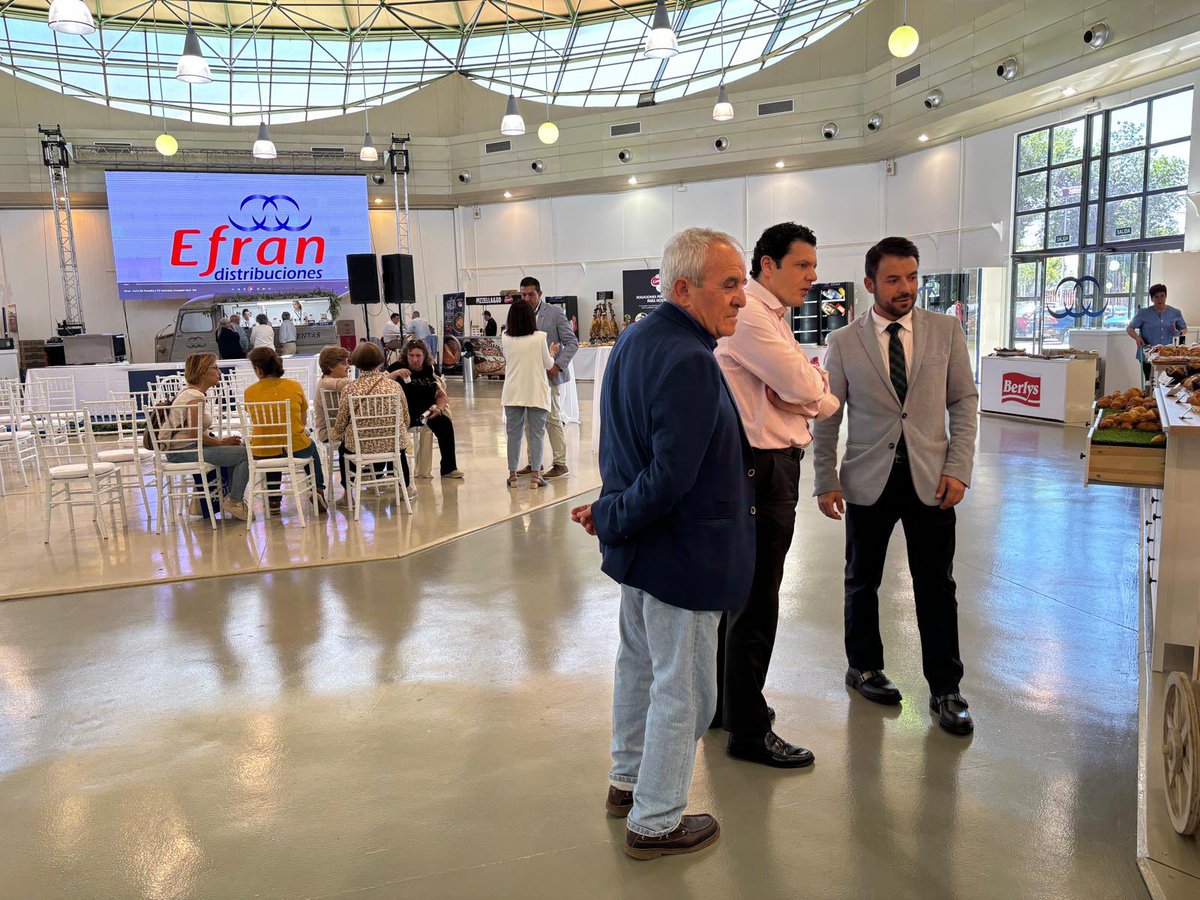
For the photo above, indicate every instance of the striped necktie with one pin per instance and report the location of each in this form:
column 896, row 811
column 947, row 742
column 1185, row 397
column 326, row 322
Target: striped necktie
column 899, row 371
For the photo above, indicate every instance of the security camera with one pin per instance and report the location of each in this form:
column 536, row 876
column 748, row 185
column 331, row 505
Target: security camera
column 934, row 99
column 829, row 130
column 625, row 155
column 464, row 176
column 874, row 121
column 1097, row 36
column 377, row 178
column 538, row 166
column 721, row 144
column 1007, row 69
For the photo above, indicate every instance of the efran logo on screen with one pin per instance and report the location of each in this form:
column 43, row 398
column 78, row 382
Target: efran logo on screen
column 196, row 234
column 1023, row 389
column 265, row 213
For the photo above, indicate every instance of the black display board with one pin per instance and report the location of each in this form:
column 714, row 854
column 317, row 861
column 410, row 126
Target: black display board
column 454, row 314
column 642, row 292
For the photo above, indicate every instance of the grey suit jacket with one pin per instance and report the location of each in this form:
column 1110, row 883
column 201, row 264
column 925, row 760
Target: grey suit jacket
column 553, row 321
column 938, row 420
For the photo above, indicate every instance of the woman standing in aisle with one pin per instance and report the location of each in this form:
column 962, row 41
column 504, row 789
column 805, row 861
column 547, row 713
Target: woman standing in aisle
column 427, row 397
column 526, row 395
column 262, row 334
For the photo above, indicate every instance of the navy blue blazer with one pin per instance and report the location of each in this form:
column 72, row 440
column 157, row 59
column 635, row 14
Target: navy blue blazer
column 675, row 516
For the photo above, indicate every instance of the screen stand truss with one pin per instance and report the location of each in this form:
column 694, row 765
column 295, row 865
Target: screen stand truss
column 58, row 160
column 398, row 162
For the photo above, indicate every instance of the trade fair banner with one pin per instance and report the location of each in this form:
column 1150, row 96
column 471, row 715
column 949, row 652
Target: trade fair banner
column 182, row 235
column 454, row 319
column 642, row 292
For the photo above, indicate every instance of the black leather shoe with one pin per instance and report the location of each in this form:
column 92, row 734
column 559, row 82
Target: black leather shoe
column 718, row 723
column 952, row 713
column 619, row 802
column 770, row 750
column 875, row 686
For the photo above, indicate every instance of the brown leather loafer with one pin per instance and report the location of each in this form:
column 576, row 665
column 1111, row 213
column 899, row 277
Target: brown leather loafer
column 619, row 802
column 693, row 834
column 556, row 472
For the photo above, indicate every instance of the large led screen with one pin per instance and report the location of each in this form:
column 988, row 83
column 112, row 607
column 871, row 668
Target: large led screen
column 192, row 234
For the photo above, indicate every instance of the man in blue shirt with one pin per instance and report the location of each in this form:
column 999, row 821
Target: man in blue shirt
column 1155, row 324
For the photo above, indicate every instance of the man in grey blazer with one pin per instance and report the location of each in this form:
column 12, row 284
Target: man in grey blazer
column 553, row 321
column 901, row 375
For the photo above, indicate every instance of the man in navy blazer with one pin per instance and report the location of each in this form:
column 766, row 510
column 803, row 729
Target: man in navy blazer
column 675, row 518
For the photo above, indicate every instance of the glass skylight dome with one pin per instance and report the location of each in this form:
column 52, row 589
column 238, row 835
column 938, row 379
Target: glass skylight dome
column 312, row 56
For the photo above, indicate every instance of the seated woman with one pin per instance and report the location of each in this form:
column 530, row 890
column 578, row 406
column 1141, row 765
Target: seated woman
column 177, row 435
column 335, row 375
column 427, row 398
column 368, row 359
column 272, row 386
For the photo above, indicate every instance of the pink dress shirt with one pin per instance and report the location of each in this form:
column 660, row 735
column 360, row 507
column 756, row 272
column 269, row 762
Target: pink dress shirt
column 762, row 352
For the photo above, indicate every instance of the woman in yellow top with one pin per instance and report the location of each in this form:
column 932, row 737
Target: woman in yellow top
column 272, row 386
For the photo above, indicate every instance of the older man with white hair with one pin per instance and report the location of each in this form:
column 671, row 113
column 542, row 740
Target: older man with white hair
column 675, row 518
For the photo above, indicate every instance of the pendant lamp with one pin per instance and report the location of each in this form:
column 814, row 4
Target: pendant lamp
column 904, row 39
column 264, row 147
column 548, row 133
column 71, row 17
column 166, row 144
column 512, row 123
column 661, row 42
column 723, row 109
column 368, row 153
column 192, row 66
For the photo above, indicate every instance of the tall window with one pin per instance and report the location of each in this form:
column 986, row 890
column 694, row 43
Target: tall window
column 1109, row 179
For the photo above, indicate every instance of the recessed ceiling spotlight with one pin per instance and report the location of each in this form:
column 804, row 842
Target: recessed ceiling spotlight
column 923, row 138
column 507, row 195
column 378, row 199
column 779, row 164
column 1069, row 91
column 633, row 179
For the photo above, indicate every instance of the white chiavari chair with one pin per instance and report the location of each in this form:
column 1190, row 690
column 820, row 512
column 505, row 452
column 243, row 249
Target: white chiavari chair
column 267, row 428
column 122, row 422
column 180, row 470
column 377, row 434
column 74, row 476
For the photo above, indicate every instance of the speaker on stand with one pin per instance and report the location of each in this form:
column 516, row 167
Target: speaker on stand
column 362, row 271
column 399, row 282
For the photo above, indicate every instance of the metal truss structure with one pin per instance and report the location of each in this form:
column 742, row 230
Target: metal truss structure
column 58, row 161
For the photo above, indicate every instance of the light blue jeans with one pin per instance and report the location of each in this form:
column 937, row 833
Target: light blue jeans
column 231, row 458
column 517, row 420
column 663, row 701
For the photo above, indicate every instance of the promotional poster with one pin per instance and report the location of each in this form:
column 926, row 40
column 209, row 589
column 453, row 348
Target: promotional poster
column 642, row 292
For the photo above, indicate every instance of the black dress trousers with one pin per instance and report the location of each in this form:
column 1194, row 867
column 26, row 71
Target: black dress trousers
column 747, row 638
column 929, row 534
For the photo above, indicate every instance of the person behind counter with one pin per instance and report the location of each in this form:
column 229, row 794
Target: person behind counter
column 1155, row 325
column 229, row 340
column 287, row 335
column 239, row 324
column 426, row 397
column 489, row 325
column 262, row 334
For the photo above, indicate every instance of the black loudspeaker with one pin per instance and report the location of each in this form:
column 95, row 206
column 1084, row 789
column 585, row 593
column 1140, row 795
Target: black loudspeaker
column 362, row 270
column 399, row 285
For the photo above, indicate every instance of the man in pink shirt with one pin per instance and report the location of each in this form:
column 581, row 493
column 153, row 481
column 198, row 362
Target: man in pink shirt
column 777, row 391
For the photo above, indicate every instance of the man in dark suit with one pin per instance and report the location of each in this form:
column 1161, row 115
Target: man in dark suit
column 553, row 321
column 489, row 324
column 675, row 518
column 904, row 378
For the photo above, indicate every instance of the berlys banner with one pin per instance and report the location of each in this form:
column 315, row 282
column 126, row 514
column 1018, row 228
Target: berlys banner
column 642, row 292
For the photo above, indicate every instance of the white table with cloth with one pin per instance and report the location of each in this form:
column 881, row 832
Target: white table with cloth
column 94, row 383
column 568, row 401
column 590, row 359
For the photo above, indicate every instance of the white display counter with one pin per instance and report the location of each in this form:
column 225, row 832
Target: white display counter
column 588, row 359
column 9, row 364
column 94, row 383
column 1119, row 368
column 1059, row 390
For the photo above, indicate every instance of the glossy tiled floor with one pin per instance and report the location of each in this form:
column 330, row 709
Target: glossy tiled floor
column 437, row 726
column 75, row 560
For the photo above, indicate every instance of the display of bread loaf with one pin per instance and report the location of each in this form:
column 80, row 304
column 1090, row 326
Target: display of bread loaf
column 1183, row 360
column 1134, row 411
